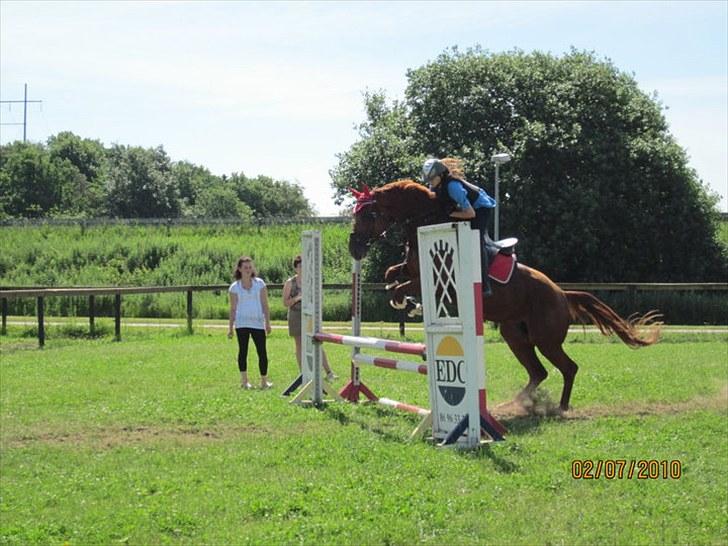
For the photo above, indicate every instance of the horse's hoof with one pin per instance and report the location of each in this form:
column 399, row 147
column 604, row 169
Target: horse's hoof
column 391, row 285
column 414, row 309
column 397, row 306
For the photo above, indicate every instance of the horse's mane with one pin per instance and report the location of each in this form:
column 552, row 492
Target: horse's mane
column 403, row 196
column 406, row 184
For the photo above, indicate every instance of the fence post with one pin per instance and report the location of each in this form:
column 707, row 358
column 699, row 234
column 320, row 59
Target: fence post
column 41, row 325
column 117, row 317
column 401, row 322
column 632, row 295
column 4, row 328
column 189, row 311
column 91, row 315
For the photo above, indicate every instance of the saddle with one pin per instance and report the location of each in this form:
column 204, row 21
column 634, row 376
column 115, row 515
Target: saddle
column 501, row 258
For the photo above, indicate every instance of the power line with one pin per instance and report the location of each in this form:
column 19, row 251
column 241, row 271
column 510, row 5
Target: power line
column 25, row 102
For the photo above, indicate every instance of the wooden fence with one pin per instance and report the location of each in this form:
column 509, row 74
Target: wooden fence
column 40, row 294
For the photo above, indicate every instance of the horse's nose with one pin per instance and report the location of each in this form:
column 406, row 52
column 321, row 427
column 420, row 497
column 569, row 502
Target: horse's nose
column 357, row 246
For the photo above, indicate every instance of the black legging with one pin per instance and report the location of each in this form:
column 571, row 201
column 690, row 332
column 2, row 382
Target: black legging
column 480, row 222
column 259, row 340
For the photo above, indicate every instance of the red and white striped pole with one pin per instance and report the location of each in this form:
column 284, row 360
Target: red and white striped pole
column 391, row 363
column 373, row 343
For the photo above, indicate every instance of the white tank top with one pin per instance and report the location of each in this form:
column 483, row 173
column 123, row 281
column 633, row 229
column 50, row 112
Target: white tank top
column 249, row 312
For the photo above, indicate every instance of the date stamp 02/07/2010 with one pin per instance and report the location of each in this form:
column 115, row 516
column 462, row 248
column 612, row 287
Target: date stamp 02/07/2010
column 621, row 469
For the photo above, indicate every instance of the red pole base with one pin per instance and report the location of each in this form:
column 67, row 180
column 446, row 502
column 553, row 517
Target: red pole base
column 350, row 392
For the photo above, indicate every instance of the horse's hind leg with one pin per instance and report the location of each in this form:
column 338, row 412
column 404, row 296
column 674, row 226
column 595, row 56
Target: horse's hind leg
column 568, row 368
column 516, row 337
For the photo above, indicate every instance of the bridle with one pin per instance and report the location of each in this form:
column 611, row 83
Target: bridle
column 365, row 208
column 368, row 211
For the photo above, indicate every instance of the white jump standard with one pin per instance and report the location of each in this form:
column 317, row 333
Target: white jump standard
column 311, row 318
column 453, row 319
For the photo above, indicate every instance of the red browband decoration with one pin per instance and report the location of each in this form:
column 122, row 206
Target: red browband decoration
column 363, row 198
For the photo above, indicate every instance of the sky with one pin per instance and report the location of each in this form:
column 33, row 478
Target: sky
column 276, row 88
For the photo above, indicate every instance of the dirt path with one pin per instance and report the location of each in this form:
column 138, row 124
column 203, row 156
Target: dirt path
column 572, row 330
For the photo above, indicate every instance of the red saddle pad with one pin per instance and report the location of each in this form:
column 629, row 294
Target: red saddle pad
column 502, row 268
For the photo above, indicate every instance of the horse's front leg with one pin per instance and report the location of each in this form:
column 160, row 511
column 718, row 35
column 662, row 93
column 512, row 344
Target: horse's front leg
column 402, row 295
column 398, row 292
column 393, row 274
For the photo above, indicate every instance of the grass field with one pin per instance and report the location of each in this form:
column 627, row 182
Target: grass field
column 150, row 441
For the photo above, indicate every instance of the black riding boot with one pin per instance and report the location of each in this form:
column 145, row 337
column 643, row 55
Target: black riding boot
column 487, row 290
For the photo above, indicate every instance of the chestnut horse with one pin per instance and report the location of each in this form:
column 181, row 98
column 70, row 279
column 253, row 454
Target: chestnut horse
column 533, row 312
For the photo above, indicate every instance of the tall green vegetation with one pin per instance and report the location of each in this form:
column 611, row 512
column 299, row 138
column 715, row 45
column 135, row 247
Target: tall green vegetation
column 598, row 189
column 158, row 255
column 65, row 256
column 70, row 176
column 129, row 255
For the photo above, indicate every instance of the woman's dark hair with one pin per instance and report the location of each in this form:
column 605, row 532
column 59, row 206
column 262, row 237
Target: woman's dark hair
column 241, row 261
column 296, row 261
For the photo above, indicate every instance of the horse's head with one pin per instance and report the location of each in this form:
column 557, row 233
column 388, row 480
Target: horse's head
column 369, row 222
column 375, row 211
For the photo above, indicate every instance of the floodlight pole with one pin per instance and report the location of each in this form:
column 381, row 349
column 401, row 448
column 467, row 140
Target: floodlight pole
column 497, row 160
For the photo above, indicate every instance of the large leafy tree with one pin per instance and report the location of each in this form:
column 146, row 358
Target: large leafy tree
column 598, row 189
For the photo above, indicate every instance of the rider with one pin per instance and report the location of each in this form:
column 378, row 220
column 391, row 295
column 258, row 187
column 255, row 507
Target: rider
column 445, row 177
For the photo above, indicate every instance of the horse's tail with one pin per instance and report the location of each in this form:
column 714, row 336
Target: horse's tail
column 635, row 331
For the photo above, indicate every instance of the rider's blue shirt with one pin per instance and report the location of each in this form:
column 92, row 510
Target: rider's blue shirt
column 459, row 195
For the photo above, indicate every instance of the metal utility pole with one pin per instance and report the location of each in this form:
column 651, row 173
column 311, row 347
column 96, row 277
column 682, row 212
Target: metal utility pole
column 25, row 102
column 498, row 160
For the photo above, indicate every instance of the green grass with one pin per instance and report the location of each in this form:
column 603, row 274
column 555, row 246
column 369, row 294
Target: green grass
column 723, row 232
column 149, row 441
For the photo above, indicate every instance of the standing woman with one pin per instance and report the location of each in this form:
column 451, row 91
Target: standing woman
column 250, row 315
column 292, row 300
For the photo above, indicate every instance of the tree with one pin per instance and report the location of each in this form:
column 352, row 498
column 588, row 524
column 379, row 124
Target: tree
column 221, row 201
column 598, row 189
column 85, row 161
column 30, row 184
column 140, row 184
column 387, row 149
column 192, row 181
column 72, row 176
column 268, row 197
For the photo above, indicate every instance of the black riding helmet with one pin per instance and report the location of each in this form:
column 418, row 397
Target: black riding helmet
column 433, row 167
